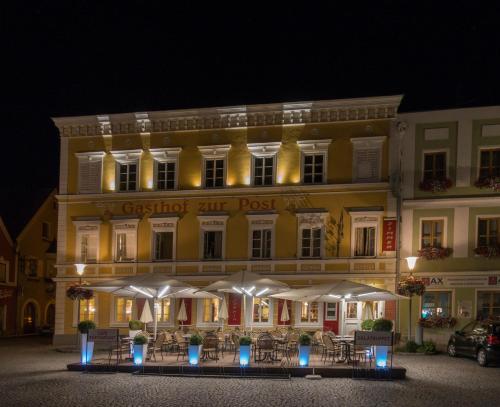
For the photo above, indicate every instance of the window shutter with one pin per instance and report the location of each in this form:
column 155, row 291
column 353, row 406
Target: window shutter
column 131, row 246
column 92, row 248
column 89, row 180
column 367, row 165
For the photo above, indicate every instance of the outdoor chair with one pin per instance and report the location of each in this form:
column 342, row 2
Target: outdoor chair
column 156, row 345
column 265, row 348
column 235, row 340
column 210, row 349
column 121, row 350
column 332, row 349
column 317, row 344
column 181, row 345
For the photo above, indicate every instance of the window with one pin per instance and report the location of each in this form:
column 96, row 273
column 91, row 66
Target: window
column 263, row 170
column 309, row 312
column 125, row 240
column 352, row 310
column 261, row 244
column 432, row 233
column 163, row 245
column 261, row 310
column 123, row 309
column 32, row 270
column 3, row 272
column 436, row 303
column 87, row 240
column 489, row 163
column 214, row 173
column 488, row 304
column 87, row 310
column 366, row 159
column 210, row 310
column 434, row 165
column 488, row 232
column 127, row 174
column 90, row 172
column 88, row 248
column 313, row 168
column 364, row 241
column 331, row 311
column 165, row 176
column 212, row 246
column 163, row 312
column 311, row 242
column 46, row 230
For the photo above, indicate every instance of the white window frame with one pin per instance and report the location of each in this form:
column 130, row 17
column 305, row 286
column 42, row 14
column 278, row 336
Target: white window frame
column 476, row 290
column 263, row 150
column 249, row 314
column 212, row 223
column 75, row 311
column 308, row 147
column 361, row 220
column 359, row 312
column 299, row 324
column 165, row 156
column 478, row 162
column 163, row 223
column 88, row 157
column 452, row 291
column 199, row 315
column 311, row 220
column 476, row 232
column 367, row 143
column 215, row 152
column 113, row 321
column 171, row 319
column 260, row 221
column 90, row 227
column 445, row 229
column 124, row 158
column 432, row 151
column 128, row 225
column 327, row 318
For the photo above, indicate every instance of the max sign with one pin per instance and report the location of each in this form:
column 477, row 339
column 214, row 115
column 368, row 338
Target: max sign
column 241, row 204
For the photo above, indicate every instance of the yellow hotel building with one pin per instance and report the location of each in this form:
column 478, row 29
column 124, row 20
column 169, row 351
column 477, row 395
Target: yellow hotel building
column 297, row 191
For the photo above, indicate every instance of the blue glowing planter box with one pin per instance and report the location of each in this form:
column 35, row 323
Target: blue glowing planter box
column 87, row 349
column 194, row 352
column 244, row 355
column 140, row 352
column 304, row 354
column 381, row 356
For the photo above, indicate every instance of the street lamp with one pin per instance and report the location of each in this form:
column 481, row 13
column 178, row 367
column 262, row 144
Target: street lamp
column 80, row 268
column 411, row 261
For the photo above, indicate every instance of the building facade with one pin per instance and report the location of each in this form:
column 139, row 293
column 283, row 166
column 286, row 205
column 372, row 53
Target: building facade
column 8, row 292
column 298, row 192
column 451, row 212
column 35, row 263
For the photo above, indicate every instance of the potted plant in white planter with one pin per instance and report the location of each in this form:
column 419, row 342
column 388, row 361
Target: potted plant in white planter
column 134, row 327
column 245, row 343
column 87, row 347
column 304, row 349
column 194, row 349
column 381, row 325
column 140, row 348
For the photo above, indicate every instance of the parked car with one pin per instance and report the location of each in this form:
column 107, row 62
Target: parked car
column 478, row 339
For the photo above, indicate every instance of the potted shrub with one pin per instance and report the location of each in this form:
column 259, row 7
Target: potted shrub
column 367, row 325
column 194, row 349
column 304, row 349
column 87, row 347
column 140, row 348
column 134, row 327
column 245, row 343
column 381, row 325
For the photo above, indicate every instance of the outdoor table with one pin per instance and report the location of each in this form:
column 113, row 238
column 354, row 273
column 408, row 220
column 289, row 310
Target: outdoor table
column 345, row 348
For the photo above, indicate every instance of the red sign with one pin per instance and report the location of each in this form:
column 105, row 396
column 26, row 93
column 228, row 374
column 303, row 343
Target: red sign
column 234, row 309
column 492, row 280
column 389, row 235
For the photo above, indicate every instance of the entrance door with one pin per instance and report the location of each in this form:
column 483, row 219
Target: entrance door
column 352, row 317
column 50, row 317
column 29, row 318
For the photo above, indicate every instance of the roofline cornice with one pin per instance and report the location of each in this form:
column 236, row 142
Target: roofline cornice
column 321, row 111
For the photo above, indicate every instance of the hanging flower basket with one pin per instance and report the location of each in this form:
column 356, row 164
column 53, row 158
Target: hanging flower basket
column 487, row 251
column 492, row 183
column 435, row 185
column 411, row 286
column 435, row 253
column 437, row 322
column 79, row 292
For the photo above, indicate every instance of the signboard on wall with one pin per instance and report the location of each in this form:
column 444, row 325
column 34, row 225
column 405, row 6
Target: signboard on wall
column 234, row 309
column 389, row 235
column 462, row 281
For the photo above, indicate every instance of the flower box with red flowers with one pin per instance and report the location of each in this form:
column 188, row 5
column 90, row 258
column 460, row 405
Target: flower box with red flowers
column 437, row 322
column 492, row 183
column 487, row 251
column 79, row 292
column 411, row 286
column 435, row 253
column 435, row 184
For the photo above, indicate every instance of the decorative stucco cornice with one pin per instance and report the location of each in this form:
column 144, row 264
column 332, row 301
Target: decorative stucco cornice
column 323, row 111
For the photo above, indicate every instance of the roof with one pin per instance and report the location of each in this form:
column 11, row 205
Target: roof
column 6, row 233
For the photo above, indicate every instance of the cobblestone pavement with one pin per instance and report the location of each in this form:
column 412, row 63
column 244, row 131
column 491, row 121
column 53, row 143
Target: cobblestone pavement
column 33, row 374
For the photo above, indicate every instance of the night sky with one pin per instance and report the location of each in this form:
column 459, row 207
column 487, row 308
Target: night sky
column 77, row 58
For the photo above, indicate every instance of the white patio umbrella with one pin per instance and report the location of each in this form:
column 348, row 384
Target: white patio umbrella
column 338, row 291
column 247, row 284
column 285, row 316
column 223, row 313
column 182, row 315
column 146, row 316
